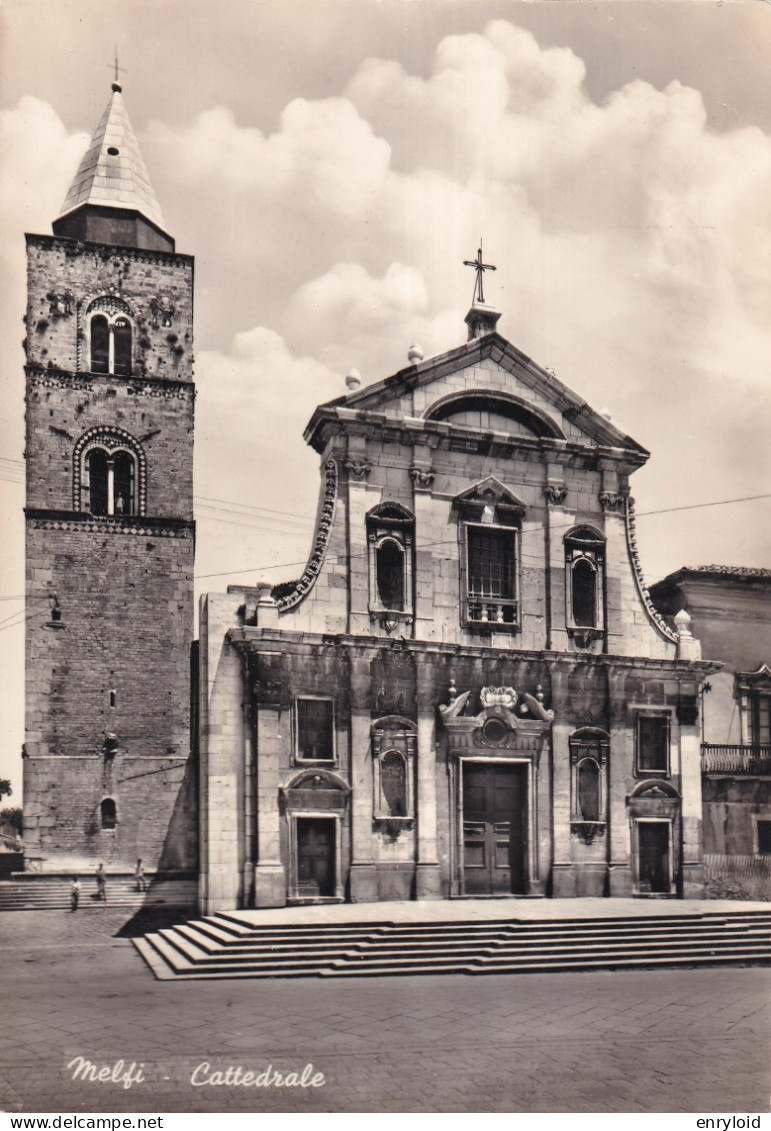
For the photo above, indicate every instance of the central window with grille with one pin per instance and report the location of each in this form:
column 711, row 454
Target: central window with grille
column 491, row 575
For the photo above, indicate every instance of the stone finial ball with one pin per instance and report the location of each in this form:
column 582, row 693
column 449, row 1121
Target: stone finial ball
column 415, row 353
column 353, row 379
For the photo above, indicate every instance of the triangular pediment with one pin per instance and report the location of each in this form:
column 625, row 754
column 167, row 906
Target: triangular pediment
column 484, row 386
column 489, row 492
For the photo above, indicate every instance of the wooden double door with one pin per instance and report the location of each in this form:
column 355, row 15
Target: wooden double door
column 316, row 856
column 494, row 829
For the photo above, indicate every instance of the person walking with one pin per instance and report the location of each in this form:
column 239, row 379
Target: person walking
column 74, row 893
column 139, row 876
column 101, row 883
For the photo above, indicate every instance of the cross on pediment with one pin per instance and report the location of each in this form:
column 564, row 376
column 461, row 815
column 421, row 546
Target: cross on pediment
column 480, row 268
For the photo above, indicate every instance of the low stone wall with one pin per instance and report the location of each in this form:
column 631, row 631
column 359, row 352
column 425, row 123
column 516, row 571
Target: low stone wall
column 737, row 877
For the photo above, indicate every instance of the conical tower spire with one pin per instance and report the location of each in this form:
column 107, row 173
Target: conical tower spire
column 111, row 199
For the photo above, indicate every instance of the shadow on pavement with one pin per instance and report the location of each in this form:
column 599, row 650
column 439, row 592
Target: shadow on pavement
column 152, row 919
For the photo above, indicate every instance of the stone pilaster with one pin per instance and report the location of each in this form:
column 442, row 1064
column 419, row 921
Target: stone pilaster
column 427, row 879
column 269, row 874
column 621, row 758
column 690, row 790
column 563, row 878
column 363, row 874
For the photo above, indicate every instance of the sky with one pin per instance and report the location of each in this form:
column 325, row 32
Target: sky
column 331, row 163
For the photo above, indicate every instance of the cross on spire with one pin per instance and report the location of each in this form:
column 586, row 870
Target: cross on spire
column 116, row 84
column 480, row 268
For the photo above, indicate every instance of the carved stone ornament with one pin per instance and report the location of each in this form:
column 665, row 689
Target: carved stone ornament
column 509, row 720
column 631, row 541
column 161, row 310
column 358, row 469
column 323, row 530
column 422, row 478
column 61, row 306
column 613, row 501
column 498, row 697
column 585, row 637
column 555, row 493
column 588, row 830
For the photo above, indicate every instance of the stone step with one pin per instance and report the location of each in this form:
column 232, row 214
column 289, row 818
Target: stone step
column 202, row 949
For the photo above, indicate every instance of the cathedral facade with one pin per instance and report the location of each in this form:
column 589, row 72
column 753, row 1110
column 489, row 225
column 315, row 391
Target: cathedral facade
column 468, row 692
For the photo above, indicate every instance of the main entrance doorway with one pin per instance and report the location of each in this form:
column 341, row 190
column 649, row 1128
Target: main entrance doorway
column 494, row 829
column 653, row 856
column 315, row 856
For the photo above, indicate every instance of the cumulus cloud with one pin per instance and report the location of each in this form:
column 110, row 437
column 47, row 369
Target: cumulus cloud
column 630, row 240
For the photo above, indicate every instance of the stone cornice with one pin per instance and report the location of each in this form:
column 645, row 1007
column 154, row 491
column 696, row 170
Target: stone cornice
column 333, row 420
column 253, row 640
column 105, row 250
column 51, row 378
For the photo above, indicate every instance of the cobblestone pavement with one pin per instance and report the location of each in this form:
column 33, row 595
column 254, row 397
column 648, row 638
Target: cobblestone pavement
column 683, row 1041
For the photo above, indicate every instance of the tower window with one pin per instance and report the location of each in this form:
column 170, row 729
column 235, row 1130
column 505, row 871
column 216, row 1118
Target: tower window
column 111, row 340
column 100, row 344
column 110, row 481
column 109, row 813
column 121, row 333
column 109, row 474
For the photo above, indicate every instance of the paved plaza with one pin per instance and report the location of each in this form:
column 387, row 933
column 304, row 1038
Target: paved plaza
column 668, row 1040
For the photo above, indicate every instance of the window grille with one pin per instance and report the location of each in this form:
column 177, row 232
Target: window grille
column 491, row 575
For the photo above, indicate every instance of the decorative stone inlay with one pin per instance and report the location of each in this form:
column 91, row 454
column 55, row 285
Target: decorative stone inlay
column 311, row 572
column 422, row 478
column 111, row 524
column 555, row 493
column 631, row 540
column 613, row 501
column 139, row 387
column 112, row 440
column 358, row 469
column 109, row 304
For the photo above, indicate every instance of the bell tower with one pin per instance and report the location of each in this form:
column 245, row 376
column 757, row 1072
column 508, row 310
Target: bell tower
column 109, row 524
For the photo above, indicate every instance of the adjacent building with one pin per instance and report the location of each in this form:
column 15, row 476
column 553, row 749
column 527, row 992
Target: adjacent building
column 730, row 608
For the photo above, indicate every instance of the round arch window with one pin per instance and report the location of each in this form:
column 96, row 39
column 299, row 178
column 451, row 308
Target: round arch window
column 494, row 730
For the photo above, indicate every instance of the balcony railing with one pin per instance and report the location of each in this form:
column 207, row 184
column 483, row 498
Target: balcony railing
column 743, row 761
column 495, row 610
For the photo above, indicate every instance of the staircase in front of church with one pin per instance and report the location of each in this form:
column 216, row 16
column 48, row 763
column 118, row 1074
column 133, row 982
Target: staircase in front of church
column 223, row 946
